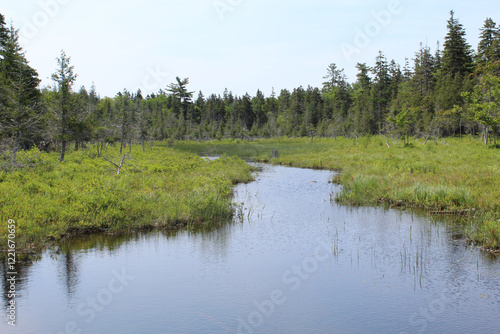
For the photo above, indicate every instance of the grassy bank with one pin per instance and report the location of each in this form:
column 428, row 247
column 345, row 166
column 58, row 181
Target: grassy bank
column 447, row 176
column 159, row 188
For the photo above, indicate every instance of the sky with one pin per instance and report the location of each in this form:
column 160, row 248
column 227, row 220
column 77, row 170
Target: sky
column 241, row 45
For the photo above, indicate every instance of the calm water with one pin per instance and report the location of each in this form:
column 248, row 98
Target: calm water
column 291, row 262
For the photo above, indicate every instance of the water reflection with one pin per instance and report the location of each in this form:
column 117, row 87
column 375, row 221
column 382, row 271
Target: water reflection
column 68, row 273
column 22, row 268
column 325, row 267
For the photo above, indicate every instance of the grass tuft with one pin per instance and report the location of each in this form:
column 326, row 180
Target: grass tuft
column 446, row 176
column 162, row 187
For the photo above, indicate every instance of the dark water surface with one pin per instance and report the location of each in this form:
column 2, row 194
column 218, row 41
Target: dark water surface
column 291, row 262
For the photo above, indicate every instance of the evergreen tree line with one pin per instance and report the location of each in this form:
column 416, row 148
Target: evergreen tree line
column 454, row 91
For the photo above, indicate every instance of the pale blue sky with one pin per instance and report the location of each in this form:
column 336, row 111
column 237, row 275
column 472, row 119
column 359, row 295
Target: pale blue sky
column 243, row 45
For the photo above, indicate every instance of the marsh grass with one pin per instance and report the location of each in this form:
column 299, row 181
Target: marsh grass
column 51, row 201
column 450, row 176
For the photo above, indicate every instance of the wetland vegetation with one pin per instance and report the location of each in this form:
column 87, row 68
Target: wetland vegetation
column 157, row 188
column 441, row 100
column 449, row 176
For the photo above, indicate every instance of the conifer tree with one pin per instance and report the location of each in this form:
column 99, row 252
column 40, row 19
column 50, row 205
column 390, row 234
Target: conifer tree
column 337, row 90
column 20, row 113
column 489, row 44
column 424, row 68
column 381, row 91
column 362, row 107
column 64, row 77
column 457, row 54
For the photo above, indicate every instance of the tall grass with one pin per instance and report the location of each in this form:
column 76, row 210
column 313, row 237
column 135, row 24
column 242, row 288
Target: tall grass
column 448, row 175
column 159, row 188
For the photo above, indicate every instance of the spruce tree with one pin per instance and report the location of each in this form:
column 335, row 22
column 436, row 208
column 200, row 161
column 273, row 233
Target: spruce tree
column 381, row 91
column 336, row 90
column 19, row 95
column 489, row 45
column 424, row 68
column 180, row 92
column 362, row 105
column 64, row 77
column 457, row 54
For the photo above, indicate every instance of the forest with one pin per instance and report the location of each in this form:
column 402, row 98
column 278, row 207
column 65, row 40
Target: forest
column 437, row 93
column 368, row 129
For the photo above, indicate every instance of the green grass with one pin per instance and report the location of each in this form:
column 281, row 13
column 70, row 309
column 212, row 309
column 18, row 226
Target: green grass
column 159, row 188
column 448, row 175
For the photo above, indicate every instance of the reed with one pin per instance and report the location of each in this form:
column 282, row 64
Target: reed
column 444, row 176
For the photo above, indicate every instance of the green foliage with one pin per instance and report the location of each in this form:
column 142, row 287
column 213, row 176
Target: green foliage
column 403, row 121
column 486, row 234
column 381, row 93
column 489, row 44
column 161, row 188
column 484, row 101
column 451, row 176
column 64, row 77
column 457, row 55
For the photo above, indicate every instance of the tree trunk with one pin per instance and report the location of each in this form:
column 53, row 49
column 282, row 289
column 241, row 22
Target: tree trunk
column 63, row 150
column 63, row 125
column 122, row 141
column 14, row 150
column 120, row 167
column 460, row 126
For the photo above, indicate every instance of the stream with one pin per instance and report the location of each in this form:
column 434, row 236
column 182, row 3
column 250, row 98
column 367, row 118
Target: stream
column 291, row 261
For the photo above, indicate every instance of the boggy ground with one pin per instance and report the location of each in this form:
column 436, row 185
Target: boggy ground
column 51, row 201
column 443, row 176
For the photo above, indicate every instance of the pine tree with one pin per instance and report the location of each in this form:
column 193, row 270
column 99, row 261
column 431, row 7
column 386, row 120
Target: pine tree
column 64, row 77
column 335, row 77
column 457, row 54
column 336, row 90
column 20, row 112
column 489, row 44
column 381, row 91
column 125, row 107
column 397, row 78
column 179, row 90
column 258, row 108
column 424, row 68
column 362, row 106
